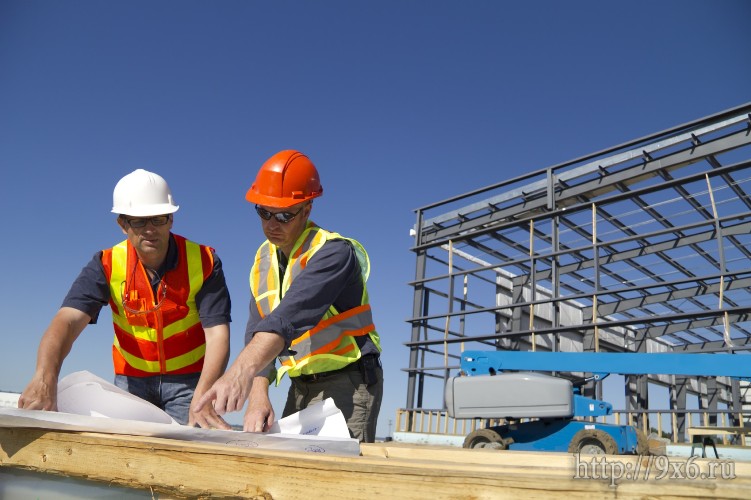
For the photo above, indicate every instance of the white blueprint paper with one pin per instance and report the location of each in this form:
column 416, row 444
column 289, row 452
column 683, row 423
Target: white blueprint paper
column 89, row 403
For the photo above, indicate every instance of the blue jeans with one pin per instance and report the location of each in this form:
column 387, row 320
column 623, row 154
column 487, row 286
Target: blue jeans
column 171, row 393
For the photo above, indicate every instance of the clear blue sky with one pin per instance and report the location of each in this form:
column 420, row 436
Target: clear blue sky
column 399, row 103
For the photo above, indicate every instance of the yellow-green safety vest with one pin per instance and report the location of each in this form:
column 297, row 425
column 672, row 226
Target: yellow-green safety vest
column 331, row 344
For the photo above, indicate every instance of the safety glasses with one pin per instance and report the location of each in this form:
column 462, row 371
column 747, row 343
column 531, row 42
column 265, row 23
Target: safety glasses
column 282, row 217
column 140, row 222
column 135, row 305
column 140, row 311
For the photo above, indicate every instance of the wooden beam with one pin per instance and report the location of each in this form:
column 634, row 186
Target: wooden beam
column 183, row 469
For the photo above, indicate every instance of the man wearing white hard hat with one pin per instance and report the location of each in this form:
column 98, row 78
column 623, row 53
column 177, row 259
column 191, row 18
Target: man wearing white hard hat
column 170, row 310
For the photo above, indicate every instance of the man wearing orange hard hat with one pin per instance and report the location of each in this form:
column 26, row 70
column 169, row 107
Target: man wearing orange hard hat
column 309, row 307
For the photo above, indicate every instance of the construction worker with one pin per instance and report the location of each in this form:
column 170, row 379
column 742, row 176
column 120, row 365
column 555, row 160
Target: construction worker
column 309, row 306
column 170, row 310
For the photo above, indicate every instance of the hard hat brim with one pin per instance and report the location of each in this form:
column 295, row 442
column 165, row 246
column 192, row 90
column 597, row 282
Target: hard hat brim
column 273, row 201
column 147, row 211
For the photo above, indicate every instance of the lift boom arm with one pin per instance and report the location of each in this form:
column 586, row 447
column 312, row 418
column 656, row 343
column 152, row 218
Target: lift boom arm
column 490, row 362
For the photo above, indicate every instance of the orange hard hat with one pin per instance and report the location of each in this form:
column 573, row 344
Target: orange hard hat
column 285, row 179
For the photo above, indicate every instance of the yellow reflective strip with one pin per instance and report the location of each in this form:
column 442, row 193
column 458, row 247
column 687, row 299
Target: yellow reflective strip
column 265, row 295
column 376, row 339
column 254, row 279
column 322, row 363
column 146, row 333
column 272, row 280
column 121, row 322
column 195, row 269
column 280, row 374
column 262, row 265
column 303, row 238
column 138, row 363
column 186, row 359
column 119, row 263
column 139, row 332
column 312, row 240
column 180, row 326
column 263, row 282
column 254, row 276
column 363, row 259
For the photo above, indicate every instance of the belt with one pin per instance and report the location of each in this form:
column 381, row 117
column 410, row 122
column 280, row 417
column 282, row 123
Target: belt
column 315, row 377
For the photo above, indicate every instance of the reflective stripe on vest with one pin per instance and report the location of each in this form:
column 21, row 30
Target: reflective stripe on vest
column 159, row 334
column 331, row 344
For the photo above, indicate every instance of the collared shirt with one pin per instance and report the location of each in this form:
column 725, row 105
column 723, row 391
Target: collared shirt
column 331, row 277
column 90, row 291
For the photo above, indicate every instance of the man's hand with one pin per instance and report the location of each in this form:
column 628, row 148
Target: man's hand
column 228, row 394
column 39, row 395
column 214, row 363
column 259, row 417
column 206, row 417
column 231, row 390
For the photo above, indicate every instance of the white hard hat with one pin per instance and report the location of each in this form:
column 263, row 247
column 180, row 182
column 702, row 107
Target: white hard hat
column 142, row 194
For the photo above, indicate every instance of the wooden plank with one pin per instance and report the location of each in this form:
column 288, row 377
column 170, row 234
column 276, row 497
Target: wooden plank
column 188, row 469
column 718, row 431
column 448, row 454
column 550, row 463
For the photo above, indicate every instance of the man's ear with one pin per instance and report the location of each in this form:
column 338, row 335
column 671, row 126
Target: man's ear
column 123, row 225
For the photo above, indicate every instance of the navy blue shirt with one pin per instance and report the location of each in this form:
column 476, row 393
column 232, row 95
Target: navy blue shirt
column 90, row 291
column 331, row 277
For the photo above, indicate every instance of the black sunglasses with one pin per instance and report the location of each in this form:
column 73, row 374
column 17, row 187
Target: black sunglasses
column 283, row 217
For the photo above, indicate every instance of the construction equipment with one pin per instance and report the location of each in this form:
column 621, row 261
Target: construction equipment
column 491, row 388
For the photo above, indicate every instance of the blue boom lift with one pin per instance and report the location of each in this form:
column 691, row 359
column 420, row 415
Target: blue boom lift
column 491, row 386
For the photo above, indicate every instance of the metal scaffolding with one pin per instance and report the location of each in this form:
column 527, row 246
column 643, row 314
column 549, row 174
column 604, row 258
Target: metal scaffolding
column 642, row 247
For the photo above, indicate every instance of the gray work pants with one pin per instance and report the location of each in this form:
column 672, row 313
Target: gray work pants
column 359, row 403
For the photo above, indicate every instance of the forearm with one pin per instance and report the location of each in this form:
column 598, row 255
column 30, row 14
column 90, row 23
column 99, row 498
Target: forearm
column 260, row 390
column 216, row 357
column 57, row 341
column 260, row 351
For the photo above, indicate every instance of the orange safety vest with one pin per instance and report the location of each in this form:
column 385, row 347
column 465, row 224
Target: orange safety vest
column 331, row 344
column 159, row 334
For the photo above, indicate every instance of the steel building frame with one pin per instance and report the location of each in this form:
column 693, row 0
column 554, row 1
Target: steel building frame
column 642, row 247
